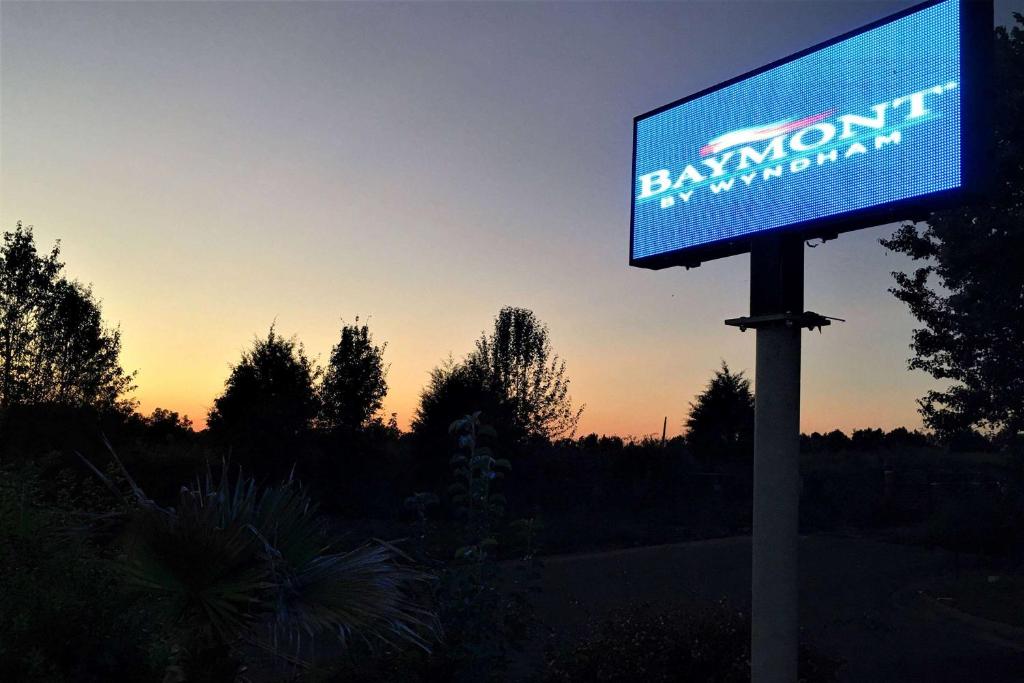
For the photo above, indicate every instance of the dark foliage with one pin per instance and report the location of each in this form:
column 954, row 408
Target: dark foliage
column 485, row 616
column 167, row 425
column 160, row 450
column 721, row 421
column 354, row 382
column 980, row 517
column 454, row 389
column 833, row 441
column 512, row 378
column 267, row 409
column 54, row 347
column 901, row 437
column 517, row 363
column 972, row 441
column 363, row 474
column 603, row 492
column 65, row 613
column 863, row 440
column 253, row 575
column 669, row 644
column 968, row 294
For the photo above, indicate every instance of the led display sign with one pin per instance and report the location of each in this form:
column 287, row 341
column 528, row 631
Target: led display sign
column 865, row 129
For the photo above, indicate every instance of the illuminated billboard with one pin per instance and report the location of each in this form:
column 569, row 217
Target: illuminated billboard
column 867, row 128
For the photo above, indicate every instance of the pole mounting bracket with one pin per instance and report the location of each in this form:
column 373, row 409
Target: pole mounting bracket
column 807, row 319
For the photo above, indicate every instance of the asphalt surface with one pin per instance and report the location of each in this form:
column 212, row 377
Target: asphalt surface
column 857, row 603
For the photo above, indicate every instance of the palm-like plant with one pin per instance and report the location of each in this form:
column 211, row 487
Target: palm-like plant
column 247, row 569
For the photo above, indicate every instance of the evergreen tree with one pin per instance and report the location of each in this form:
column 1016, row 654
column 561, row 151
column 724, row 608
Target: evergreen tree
column 721, row 421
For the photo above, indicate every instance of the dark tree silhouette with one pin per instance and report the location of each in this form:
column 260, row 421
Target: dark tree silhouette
column 454, row 390
column 968, row 292
column 512, row 378
column 901, row 437
column 54, row 347
column 167, row 425
column 721, row 421
column 836, row 441
column 354, row 383
column 517, row 363
column 268, row 404
column 453, row 386
column 867, row 439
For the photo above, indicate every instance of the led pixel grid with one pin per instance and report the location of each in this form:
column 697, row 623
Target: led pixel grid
column 867, row 121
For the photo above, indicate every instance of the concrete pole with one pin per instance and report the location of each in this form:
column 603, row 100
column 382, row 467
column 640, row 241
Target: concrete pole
column 774, row 614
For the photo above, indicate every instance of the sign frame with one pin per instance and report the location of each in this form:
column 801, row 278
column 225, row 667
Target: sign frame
column 976, row 27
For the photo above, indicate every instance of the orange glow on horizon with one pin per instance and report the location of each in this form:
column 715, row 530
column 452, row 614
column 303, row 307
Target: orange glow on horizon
column 388, row 180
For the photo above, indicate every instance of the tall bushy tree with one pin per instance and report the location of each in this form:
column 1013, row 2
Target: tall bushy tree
column 968, row 292
column 454, row 389
column 517, row 363
column 451, row 386
column 354, row 382
column 721, row 421
column 54, row 347
column 269, row 402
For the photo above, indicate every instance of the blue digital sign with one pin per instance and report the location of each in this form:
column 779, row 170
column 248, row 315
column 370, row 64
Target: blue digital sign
column 870, row 120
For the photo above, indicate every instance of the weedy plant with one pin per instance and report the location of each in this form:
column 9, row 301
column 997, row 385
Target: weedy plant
column 475, row 470
column 482, row 602
column 485, row 613
column 419, row 503
column 253, row 581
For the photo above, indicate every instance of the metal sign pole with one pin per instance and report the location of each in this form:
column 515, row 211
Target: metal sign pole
column 777, row 315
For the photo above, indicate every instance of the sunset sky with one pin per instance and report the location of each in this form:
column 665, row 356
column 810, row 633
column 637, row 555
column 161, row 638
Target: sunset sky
column 213, row 168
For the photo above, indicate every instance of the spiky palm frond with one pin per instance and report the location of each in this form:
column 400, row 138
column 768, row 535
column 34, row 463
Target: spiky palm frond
column 244, row 565
column 203, row 558
column 361, row 593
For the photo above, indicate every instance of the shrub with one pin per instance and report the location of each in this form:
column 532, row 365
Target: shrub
column 979, row 518
column 247, row 571
column 65, row 613
column 639, row 643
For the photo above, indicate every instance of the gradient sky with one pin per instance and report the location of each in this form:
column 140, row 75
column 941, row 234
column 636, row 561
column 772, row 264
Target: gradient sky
column 212, row 168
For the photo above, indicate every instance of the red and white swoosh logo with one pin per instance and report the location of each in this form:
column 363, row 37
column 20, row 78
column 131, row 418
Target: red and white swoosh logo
column 767, row 132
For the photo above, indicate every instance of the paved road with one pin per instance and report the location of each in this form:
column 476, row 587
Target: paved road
column 853, row 603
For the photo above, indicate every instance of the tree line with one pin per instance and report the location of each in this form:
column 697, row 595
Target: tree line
column 192, row 577
column 967, row 292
